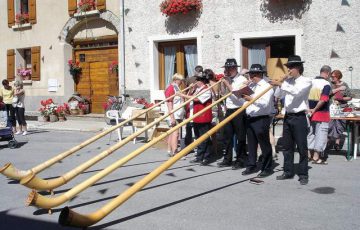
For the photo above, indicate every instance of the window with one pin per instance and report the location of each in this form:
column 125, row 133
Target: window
column 21, row 12
column 176, row 57
column 259, row 51
column 23, row 63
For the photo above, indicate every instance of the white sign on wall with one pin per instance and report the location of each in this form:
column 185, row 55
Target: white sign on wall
column 53, row 85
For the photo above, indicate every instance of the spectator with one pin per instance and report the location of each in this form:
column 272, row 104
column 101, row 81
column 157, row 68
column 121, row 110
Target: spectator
column 340, row 94
column 3, row 116
column 7, row 92
column 319, row 116
column 20, row 108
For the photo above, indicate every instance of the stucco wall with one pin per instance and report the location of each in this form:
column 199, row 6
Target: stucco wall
column 317, row 19
column 219, row 23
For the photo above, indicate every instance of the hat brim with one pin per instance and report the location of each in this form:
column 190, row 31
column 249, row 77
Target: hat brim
column 227, row 66
column 260, row 71
column 294, row 63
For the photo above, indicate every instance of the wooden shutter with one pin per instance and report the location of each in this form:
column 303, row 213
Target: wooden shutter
column 11, row 65
column 101, row 5
column 35, row 63
column 32, row 11
column 72, row 7
column 11, row 13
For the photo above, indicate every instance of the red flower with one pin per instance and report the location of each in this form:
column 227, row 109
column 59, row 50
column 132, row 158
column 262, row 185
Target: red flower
column 172, row 7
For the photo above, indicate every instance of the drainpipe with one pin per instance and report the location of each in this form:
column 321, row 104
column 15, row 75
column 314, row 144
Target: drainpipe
column 122, row 48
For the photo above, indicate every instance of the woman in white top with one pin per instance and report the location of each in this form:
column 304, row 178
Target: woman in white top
column 20, row 108
column 177, row 116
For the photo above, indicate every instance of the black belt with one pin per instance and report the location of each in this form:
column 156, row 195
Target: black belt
column 302, row 113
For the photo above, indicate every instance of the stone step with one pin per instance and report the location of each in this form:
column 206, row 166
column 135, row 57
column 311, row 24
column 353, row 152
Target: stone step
column 33, row 116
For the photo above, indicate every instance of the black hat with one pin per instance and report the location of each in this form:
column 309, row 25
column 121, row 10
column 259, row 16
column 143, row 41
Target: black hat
column 294, row 60
column 230, row 62
column 256, row 68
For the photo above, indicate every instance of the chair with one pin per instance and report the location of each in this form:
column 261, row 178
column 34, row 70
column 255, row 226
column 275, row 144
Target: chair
column 115, row 119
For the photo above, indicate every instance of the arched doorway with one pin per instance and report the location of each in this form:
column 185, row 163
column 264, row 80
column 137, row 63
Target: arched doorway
column 95, row 46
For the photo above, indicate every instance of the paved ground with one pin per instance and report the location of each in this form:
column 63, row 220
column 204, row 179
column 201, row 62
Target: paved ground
column 186, row 196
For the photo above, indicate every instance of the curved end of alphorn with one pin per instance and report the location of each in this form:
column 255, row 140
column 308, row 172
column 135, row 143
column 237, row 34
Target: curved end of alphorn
column 68, row 217
column 32, row 197
column 25, row 180
column 34, row 182
column 11, row 172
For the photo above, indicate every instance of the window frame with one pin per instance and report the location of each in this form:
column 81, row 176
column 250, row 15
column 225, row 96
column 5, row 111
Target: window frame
column 179, row 59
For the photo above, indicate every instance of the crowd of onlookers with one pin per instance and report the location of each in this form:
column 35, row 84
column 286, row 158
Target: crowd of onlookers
column 307, row 125
column 12, row 107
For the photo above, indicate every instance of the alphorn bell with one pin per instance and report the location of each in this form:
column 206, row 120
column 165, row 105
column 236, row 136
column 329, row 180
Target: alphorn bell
column 38, row 200
column 71, row 218
column 33, row 181
column 12, row 172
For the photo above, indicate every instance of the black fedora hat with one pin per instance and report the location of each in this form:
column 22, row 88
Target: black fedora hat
column 230, row 62
column 256, row 68
column 294, row 60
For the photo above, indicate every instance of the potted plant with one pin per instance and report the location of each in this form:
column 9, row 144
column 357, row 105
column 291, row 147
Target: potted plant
column 174, row 7
column 21, row 18
column 75, row 70
column 82, row 108
column 24, row 73
column 61, row 111
column 86, row 5
column 114, row 67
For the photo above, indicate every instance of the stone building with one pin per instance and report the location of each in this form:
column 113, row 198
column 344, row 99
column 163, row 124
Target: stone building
column 150, row 46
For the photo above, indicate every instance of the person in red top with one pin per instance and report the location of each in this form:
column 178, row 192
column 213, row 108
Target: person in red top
column 177, row 116
column 202, row 123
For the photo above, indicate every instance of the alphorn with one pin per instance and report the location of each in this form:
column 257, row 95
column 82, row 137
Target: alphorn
column 35, row 182
column 69, row 217
column 38, row 200
column 10, row 171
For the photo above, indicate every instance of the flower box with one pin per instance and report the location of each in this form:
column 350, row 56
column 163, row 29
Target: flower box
column 21, row 26
column 174, row 7
column 86, row 13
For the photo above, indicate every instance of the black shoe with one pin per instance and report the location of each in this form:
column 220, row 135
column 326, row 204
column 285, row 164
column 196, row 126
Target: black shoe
column 237, row 165
column 248, row 171
column 195, row 161
column 224, row 164
column 337, row 147
column 284, row 176
column 265, row 173
column 205, row 162
column 304, row 181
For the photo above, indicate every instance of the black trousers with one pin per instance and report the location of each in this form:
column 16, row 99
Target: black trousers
column 20, row 116
column 188, row 133
column 257, row 130
column 10, row 113
column 295, row 131
column 235, row 126
column 203, row 150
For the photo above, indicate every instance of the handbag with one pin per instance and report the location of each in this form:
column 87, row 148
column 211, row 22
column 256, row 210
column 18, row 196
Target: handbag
column 15, row 100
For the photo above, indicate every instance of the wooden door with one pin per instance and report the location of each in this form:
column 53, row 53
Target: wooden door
column 99, row 84
column 97, row 81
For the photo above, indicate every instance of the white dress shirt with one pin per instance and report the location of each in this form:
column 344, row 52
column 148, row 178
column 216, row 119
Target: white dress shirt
column 296, row 93
column 265, row 104
column 233, row 102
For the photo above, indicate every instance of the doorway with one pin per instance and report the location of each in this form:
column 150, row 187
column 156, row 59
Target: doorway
column 97, row 80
